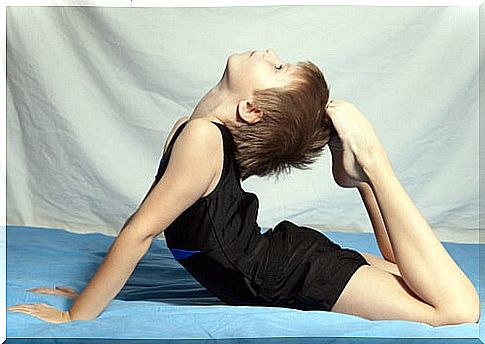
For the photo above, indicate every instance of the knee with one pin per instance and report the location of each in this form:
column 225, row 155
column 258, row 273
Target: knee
column 466, row 312
column 469, row 313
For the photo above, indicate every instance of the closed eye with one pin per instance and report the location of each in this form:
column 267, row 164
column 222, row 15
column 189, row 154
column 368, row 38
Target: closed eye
column 280, row 67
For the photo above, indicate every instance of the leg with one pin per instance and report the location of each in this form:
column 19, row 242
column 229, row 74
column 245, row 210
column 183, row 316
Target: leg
column 380, row 231
column 376, row 294
column 425, row 265
column 387, row 266
column 380, row 263
column 377, row 222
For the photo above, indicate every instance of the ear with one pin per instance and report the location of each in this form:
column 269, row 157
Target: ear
column 248, row 112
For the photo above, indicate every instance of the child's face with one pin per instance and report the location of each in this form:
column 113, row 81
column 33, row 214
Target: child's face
column 245, row 72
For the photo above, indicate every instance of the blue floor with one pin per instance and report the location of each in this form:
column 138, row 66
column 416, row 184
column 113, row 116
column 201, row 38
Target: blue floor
column 162, row 300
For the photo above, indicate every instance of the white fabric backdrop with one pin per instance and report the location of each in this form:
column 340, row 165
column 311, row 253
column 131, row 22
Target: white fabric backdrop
column 93, row 92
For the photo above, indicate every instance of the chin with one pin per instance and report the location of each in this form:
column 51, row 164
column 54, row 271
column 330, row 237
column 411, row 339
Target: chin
column 232, row 59
column 239, row 56
column 233, row 64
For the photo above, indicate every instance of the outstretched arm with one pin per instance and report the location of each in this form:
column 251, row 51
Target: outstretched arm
column 123, row 256
column 167, row 141
column 190, row 171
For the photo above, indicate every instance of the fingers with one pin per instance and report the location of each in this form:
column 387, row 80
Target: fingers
column 43, row 290
column 39, row 289
column 16, row 307
column 52, row 290
column 28, row 308
column 62, row 288
column 70, row 290
column 42, row 311
column 58, row 290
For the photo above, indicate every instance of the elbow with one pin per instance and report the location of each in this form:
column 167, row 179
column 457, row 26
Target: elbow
column 139, row 233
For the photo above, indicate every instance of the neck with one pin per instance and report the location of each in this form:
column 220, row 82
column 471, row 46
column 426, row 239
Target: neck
column 217, row 105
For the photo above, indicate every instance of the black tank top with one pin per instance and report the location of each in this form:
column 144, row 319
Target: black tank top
column 217, row 239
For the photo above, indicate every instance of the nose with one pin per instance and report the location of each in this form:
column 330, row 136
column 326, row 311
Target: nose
column 270, row 52
column 271, row 55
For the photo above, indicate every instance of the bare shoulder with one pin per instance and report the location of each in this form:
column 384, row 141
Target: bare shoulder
column 191, row 172
column 199, row 153
column 177, row 124
column 202, row 135
column 203, row 124
column 197, row 157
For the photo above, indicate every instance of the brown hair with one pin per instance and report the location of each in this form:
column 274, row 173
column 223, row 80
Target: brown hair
column 293, row 130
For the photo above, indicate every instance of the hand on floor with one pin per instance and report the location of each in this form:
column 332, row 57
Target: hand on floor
column 42, row 311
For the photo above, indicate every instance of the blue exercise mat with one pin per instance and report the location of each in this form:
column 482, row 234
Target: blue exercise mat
column 162, row 300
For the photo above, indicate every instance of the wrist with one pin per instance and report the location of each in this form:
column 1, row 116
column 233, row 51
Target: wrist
column 66, row 315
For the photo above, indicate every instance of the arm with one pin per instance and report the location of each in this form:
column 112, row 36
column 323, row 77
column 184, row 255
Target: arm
column 169, row 138
column 189, row 173
column 125, row 253
column 174, row 128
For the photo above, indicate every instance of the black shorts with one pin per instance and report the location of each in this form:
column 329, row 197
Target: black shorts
column 290, row 266
column 305, row 269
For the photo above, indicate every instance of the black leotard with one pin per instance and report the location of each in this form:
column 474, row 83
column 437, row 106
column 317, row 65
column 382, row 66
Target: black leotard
column 218, row 241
